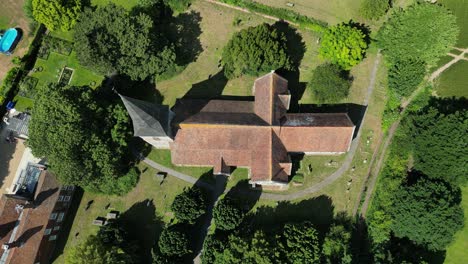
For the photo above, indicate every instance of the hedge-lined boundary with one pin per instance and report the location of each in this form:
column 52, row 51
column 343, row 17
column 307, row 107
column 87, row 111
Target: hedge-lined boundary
column 281, row 13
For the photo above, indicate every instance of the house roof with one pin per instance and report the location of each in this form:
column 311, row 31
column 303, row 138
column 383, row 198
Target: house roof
column 26, row 229
column 258, row 134
column 149, row 120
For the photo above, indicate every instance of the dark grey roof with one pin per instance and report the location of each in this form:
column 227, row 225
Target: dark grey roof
column 149, row 120
column 19, row 124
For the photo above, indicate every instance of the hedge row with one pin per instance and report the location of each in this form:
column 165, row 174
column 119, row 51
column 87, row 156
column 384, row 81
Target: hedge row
column 8, row 83
column 281, row 13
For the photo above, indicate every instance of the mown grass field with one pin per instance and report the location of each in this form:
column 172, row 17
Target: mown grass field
column 453, row 81
column 128, row 4
column 457, row 252
column 146, row 208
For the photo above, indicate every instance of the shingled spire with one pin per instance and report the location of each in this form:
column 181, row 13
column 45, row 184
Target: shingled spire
column 151, row 122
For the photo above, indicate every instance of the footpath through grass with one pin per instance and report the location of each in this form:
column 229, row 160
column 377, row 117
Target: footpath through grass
column 460, row 9
column 457, row 252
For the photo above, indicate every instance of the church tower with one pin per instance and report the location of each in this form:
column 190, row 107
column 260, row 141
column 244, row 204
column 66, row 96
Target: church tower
column 151, row 122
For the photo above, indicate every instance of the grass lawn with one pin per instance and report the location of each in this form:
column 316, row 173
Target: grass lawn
column 442, row 61
column 460, row 9
column 163, row 157
column 452, row 82
column 145, row 221
column 457, row 252
column 331, row 11
column 23, row 103
column 53, row 66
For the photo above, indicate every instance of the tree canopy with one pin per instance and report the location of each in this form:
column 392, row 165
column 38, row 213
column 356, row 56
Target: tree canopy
column 374, row 9
column 228, row 214
column 404, row 76
column 428, row 213
column 336, row 245
column 329, row 83
column 110, row 39
column 344, row 45
column 300, row 243
column 254, row 51
column 189, row 205
column 57, row 14
column 440, row 140
column 421, row 32
column 84, row 137
column 174, row 241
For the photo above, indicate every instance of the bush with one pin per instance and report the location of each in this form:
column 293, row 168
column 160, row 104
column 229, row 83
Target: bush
column 404, row 76
column 189, row 205
column 374, row 9
column 343, row 45
column 228, row 214
column 254, row 51
column 329, row 84
column 27, row 87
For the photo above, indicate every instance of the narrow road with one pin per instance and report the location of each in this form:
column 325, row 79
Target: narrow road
column 312, row 189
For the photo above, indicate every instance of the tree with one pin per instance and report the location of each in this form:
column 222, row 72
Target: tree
column 336, row 246
column 84, row 136
column 255, row 249
column 174, row 241
column 343, row 45
column 300, row 244
column 93, row 250
column 57, row 14
column 329, row 84
column 228, row 214
column 374, row 9
column 440, row 144
column 254, row 51
column 421, row 32
column 404, row 76
column 213, row 244
column 189, row 205
column 428, row 213
column 112, row 40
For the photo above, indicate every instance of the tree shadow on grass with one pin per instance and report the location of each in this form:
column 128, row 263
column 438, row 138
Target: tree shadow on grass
column 67, row 224
column 142, row 90
column 184, row 32
column 318, row 210
column 142, row 225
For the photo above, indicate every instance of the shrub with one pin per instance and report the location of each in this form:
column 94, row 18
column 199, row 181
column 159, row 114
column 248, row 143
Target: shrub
column 404, row 76
column 329, row 83
column 374, row 9
column 27, row 87
column 254, row 51
column 343, row 45
column 8, row 83
column 228, row 214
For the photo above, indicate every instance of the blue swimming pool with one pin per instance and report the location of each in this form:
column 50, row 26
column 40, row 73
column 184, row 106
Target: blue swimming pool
column 7, row 40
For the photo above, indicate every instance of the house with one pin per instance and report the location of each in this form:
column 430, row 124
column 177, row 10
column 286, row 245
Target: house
column 258, row 135
column 31, row 218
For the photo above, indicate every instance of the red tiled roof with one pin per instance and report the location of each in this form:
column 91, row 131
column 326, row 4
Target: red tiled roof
column 259, row 134
column 30, row 245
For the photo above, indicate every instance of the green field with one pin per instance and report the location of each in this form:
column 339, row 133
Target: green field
column 53, row 66
column 457, row 252
column 145, row 221
column 460, row 9
column 453, row 82
column 128, row 4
